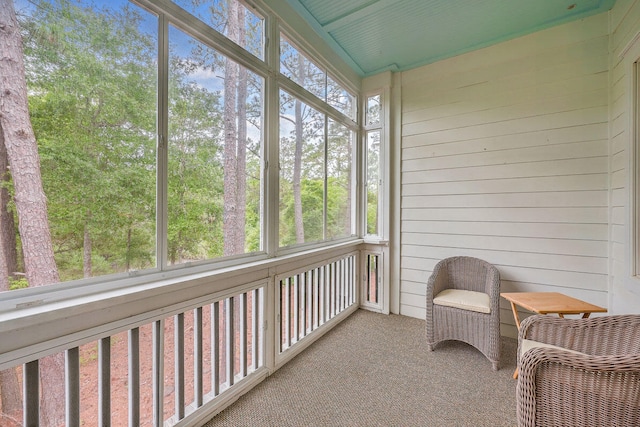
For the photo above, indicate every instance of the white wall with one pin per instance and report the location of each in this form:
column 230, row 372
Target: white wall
column 505, row 156
column 625, row 24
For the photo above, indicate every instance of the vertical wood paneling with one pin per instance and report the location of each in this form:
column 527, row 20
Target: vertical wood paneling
column 504, row 139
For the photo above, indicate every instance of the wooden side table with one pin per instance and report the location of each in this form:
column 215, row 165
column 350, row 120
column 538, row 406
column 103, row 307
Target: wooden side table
column 548, row 303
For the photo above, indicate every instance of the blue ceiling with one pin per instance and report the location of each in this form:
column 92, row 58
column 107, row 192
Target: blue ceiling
column 378, row 35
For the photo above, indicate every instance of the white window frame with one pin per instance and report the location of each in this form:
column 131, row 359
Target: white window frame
column 162, row 275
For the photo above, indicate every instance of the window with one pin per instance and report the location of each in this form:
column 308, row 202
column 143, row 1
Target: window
column 301, row 70
column 340, row 188
column 316, row 146
column 233, row 19
column 92, row 84
column 214, row 146
column 373, row 133
column 152, row 154
column 301, row 172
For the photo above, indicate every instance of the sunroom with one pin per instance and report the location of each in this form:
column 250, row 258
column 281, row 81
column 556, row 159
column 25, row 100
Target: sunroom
column 195, row 191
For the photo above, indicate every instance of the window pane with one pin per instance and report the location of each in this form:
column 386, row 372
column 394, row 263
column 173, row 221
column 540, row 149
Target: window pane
column 231, row 18
column 301, row 172
column 373, row 181
column 91, row 76
column 215, row 141
column 339, row 98
column 373, row 110
column 339, row 184
column 301, row 70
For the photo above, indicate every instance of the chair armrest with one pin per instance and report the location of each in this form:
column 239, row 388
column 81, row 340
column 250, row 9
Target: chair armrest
column 492, row 287
column 438, row 281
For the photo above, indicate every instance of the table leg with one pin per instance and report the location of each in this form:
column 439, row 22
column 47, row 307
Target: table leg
column 517, row 319
column 515, row 314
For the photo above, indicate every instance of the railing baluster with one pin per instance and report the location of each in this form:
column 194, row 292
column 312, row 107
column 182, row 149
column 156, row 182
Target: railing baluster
column 104, row 382
column 316, row 300
column 332, row 280
column 178, row 331
column 31, row 394
column 134, row 377
column 302, row 299
column 339, row 284
column 158, row 373
column 295, row 308
column 286, row 312
column 198, row 386
column 347, row 282
column 310, row 298
column 255, row 332
column 230, row 340
column 72, row 387
column 341, row 271
column 322, row 280
column 215, row 348
column 243, row 335
column 373, row 277
column 352, row 280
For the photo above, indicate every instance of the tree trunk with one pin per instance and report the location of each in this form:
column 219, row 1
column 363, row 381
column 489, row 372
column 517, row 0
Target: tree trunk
column 30, row 200
column 7, row 223
column 10, row 393
column 241, row 194
column 230, row 213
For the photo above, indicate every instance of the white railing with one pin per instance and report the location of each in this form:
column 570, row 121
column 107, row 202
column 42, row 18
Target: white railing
column 181, row 363
column 161, row 372
column 309, row 298
column 372, row 278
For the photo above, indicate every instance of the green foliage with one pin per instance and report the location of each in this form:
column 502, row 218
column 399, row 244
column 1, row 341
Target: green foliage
column 18, row 283
column 91, row 74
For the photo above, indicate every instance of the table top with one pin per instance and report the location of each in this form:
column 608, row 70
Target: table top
column 551, row 302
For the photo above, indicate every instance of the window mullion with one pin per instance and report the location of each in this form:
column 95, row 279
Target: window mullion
column 162, row 151
column 325, row 208
column 271, row 144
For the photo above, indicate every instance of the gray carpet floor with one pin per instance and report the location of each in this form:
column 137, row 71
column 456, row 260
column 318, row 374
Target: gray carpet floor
column 375, row 370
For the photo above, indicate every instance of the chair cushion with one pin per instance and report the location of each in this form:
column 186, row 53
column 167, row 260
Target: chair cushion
column 529, row 344
column 466, row 300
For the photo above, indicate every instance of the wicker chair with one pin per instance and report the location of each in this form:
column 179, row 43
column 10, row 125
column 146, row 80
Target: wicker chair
column 459, row 321
column 592, row 380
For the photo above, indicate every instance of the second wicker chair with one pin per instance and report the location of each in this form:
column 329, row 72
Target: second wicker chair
column 463, row 304
column 580, row 372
